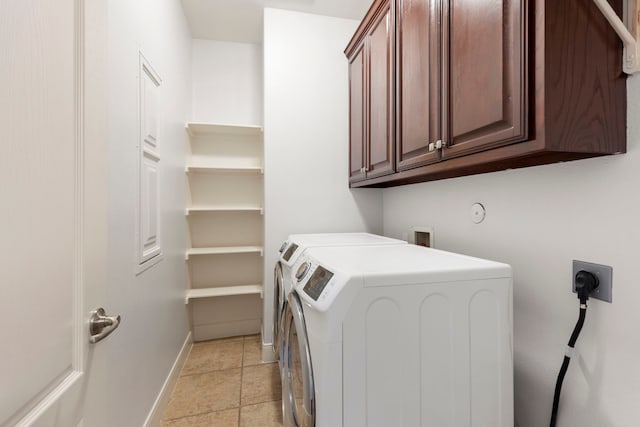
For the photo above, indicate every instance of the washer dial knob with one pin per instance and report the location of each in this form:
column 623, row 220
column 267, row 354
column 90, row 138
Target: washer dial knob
column 302, row 270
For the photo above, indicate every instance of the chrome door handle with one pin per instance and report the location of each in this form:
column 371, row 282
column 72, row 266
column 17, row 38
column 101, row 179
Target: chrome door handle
column 101, row 325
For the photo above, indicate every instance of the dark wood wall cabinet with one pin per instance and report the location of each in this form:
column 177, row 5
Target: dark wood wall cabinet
column 447, row 88
column 371, row 93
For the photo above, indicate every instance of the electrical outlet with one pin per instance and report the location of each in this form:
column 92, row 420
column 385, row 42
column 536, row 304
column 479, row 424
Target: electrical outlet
column 604, row 273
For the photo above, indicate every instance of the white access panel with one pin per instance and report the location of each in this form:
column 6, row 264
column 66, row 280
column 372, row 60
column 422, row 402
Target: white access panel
column 149, row 250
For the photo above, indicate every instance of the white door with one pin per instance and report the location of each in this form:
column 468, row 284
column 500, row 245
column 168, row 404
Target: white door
column 52, row 211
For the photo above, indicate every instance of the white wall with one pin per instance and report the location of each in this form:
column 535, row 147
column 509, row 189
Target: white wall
column 538, row 220
column 154, row 321
column 306, row 128
column 227, row 82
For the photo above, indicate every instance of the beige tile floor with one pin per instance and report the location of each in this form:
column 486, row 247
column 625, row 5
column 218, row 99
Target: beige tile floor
column 224, row 383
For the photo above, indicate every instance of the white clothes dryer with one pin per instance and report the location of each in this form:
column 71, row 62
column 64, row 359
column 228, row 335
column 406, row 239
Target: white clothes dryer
column 398, row 336
column 290, row 252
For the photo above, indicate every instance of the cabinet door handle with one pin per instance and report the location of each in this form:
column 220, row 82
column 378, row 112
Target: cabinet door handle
column 441, row 144
column 432, row 147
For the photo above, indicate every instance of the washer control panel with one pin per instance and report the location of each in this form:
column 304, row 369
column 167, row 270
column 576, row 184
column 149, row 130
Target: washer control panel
column 287, row 255
column 317, row 282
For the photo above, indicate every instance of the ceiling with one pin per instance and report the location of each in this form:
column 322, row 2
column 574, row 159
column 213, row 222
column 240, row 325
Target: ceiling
column 241, row 20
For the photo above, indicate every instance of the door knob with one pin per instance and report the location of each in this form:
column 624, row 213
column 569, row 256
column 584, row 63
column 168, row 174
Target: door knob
column 101, row 325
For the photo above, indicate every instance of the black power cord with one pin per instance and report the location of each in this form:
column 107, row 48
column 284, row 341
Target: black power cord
column 585, row 283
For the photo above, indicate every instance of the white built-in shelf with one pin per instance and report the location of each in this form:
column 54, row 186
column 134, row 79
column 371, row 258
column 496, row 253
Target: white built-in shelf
column 224, row 250
column 242, row 170
column 213, row 209
column 225, row 172
column 223, row 292
column 207, row 129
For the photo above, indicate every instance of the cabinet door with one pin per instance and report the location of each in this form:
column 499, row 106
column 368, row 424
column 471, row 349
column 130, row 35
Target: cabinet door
column 419, row 82
column 357, row 102
column 484, row 74
column 379, row 41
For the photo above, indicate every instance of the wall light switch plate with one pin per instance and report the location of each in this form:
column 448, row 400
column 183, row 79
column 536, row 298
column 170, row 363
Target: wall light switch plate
column 604, row 273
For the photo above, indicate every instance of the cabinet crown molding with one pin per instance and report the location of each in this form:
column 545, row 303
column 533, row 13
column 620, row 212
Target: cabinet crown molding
column 369, row 18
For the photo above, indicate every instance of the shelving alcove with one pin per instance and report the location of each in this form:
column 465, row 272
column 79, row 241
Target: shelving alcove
column 226, row 228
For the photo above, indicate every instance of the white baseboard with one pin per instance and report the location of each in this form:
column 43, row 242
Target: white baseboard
column 155, row 415
column 235, row 328
column 267, row 349
column 267, row 353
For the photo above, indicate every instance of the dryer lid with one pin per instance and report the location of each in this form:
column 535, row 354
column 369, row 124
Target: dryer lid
column 406, row 265
column 347, row 239
column 304, row 241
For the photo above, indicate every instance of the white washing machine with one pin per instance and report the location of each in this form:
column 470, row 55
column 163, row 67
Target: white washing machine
column 290, row 252
column 398, row 336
